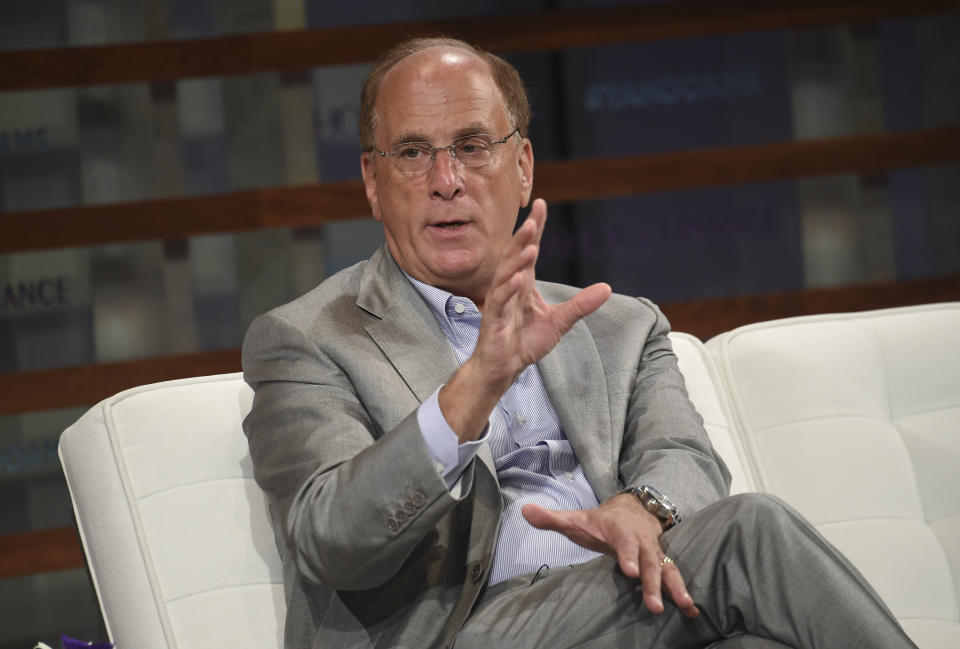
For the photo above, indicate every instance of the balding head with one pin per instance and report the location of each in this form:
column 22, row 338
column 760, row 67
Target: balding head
column 504, row 75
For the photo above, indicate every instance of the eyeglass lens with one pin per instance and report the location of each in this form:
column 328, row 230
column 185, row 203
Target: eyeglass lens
column 472, row 151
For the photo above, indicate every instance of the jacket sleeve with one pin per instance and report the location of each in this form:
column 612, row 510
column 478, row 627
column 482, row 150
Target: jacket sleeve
column 665, row 444
column 353, row 501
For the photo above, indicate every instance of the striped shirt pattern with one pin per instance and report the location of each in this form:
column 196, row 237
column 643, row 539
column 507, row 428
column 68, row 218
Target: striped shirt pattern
column 534, row 460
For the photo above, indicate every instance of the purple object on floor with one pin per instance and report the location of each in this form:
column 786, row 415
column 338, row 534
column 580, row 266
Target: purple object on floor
column 70, row 643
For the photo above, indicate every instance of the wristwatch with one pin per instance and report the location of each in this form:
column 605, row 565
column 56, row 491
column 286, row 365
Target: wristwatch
column 657, row 504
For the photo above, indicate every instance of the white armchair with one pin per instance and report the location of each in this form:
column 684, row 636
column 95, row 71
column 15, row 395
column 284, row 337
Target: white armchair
column 854, row 419
column 176, row 533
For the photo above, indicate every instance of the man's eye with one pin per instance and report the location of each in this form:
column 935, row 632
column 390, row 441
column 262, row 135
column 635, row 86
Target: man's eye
column 410, row 152
column 472, row 147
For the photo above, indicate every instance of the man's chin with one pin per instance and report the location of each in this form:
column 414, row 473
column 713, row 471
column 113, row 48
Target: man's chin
column 459, row 275
column 455, row 263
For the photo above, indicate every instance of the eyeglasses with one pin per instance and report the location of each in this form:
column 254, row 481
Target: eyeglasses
column 470, row 150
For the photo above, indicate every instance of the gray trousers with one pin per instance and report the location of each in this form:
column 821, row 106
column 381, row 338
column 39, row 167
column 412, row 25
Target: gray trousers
column 760, row 574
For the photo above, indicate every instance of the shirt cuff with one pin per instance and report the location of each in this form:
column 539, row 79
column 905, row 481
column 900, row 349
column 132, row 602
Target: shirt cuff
column 450, row 457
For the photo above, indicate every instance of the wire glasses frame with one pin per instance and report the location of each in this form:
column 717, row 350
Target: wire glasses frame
column 469, row 150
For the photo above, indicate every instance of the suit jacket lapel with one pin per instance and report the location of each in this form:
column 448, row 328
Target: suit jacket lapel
column 575, row 382
column 406, row 331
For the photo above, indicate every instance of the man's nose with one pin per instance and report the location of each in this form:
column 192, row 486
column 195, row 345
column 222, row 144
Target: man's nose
column 446, row 175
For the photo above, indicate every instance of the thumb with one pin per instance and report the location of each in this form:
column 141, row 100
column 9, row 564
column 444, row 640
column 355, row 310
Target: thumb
column 582, row 304
column 542, row 518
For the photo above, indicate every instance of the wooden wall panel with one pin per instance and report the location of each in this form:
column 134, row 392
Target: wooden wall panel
column 606, row 177
column 548, row 30
column 30, row 553
column 560, row 181
column 181, row 217
column 86, row 385
column 707, row 318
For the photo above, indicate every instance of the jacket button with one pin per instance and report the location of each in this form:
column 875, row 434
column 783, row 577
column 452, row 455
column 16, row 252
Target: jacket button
column 418, row 499
column 392, row 525
column 409, row 507
column 401, row 516
column 476, row 573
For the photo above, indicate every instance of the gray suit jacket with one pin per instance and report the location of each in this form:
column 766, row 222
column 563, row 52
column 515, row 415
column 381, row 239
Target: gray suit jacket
column 376, row 551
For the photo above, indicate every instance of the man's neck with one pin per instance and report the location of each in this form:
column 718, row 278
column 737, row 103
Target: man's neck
column 474, row 296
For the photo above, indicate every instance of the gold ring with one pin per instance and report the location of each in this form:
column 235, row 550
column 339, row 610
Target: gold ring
column 665, row 560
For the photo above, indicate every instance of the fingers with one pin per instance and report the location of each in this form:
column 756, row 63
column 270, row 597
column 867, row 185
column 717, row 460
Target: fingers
column 531, row 230
column 516, row 271
column 658, row 577
column 650, row 581
column 537, row 516
column 639, row 557
column 582, row 304
column 674, row 586
column 627, row 551
column 538, row 215
column 544, row 519
column 574, row 524
column 527, row 237
column 509, row 280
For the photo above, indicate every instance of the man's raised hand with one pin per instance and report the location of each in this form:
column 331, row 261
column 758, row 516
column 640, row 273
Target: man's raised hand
column 518, row 328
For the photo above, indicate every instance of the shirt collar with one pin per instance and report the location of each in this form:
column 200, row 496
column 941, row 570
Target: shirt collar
column 441, row 302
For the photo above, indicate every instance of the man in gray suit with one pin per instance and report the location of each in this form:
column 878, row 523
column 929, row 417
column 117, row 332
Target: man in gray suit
column 459, row 455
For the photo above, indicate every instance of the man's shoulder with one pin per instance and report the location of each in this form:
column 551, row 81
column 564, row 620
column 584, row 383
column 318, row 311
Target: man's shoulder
column 329, row 299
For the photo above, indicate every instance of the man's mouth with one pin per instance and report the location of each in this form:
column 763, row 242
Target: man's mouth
column 450, row 225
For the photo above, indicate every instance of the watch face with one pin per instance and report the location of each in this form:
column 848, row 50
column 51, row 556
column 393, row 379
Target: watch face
column 659, row 505
column 653, row 493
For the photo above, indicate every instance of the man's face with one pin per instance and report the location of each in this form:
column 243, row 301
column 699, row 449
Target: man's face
column 449, row 226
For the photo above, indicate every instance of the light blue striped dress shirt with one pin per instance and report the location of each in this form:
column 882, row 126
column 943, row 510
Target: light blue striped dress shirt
column 535, row 462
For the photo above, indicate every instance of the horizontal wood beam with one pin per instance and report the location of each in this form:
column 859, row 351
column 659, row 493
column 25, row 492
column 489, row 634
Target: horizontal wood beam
column 707, row 318
column 85, row 385
column 589, row 179
column 31, row 553
column 560, row 181
column 181, row 217
column 541, row 31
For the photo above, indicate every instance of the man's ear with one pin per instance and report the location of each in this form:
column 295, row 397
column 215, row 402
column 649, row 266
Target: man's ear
column 370, row 182
column 525, row 162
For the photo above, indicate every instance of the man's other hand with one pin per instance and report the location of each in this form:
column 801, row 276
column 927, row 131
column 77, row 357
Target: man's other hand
column 622, row 528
